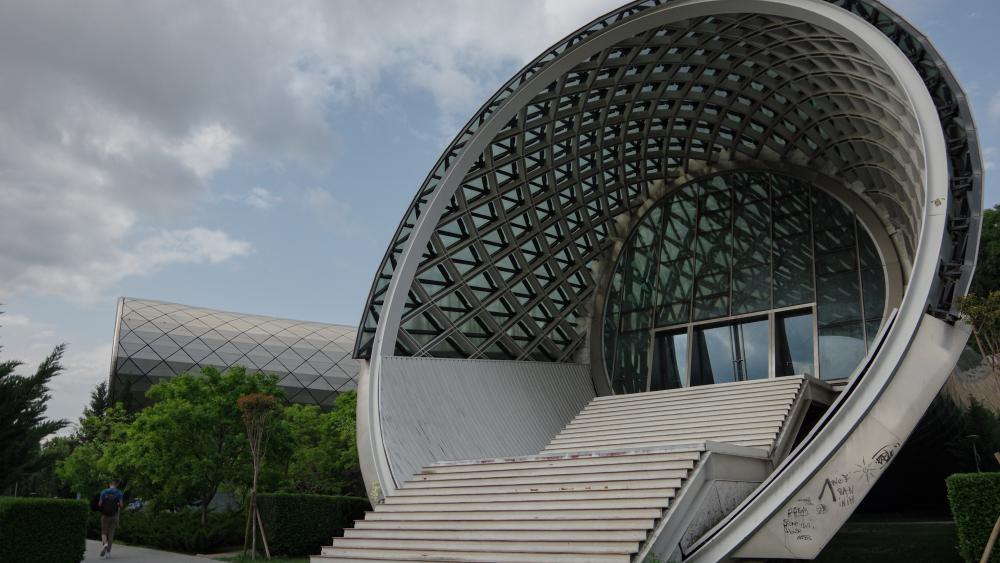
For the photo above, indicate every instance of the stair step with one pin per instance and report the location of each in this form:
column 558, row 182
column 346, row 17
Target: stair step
column 445, row 534
column 528, row 515
column 764, row 445
column 718, row 388
column 562, row 486
column 595, row 471
column 487, row 480
column 706, row 405
column 638, row 420
column 430, row 496
column 522, row 525
column 686, row 433
column 726, row 435
column 543, row 461
column 669, row 422
column 365, row 555
column 581, row 547
column 535, row 504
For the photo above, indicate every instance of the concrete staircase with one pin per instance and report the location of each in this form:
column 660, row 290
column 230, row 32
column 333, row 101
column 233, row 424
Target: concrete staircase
column 603, row 489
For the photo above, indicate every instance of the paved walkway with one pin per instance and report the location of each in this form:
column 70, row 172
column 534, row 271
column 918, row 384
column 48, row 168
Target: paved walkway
column 129, row 554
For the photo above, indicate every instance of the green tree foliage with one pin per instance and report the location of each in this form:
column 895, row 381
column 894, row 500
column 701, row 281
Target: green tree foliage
column 987, row 277
column 95, row 452
column 322, row 452
column 979, row 437
column 23, row 425
column 983, row 313
column 100, row 400
column 191, row 440
column 44, row 482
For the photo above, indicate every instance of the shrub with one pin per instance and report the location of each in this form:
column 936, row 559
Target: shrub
column 975, row 504
column 298, row 525
column 42, row 530
column 176, row 531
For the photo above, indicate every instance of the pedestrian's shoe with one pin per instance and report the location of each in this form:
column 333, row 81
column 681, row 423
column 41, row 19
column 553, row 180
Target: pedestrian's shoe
column 104, row 549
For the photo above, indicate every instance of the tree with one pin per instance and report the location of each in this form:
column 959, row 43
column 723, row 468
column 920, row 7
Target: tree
column 22, row 416
column 322, row 456
column 978, row 439
column 987, row 278
column 983, row 313
column 96, row 447
column 258, row 417
column 100, row 400
column 191, row 440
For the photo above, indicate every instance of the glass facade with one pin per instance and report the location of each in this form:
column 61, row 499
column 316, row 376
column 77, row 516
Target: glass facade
column 157, row 340
column 748, row 272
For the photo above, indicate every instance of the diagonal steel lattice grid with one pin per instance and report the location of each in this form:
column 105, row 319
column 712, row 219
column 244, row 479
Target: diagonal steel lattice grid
column 157, row 340
column 509, row 270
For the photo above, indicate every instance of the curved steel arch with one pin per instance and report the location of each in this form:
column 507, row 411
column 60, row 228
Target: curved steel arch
column 529, row 195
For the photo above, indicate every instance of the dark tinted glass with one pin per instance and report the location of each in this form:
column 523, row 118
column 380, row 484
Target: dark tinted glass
column 669, row 361
column 795, row 345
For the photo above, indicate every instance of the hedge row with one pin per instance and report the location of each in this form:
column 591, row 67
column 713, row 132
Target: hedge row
column 34, row 530
column 298, row 525
column 176, row 531
column 975, row 504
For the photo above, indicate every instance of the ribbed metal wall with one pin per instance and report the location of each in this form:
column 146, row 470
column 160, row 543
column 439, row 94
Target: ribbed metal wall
column 445, row 409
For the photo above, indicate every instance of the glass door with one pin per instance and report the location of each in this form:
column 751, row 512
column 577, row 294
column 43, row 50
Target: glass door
column 734, row 352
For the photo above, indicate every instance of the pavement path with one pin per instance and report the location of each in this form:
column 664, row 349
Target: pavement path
column 128, row 554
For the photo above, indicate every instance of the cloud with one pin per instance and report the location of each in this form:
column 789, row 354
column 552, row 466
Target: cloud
column 261, row 199
column 9, row 320
column 332, row 213
column 995, row 106
column 122, row 116
column 70, row 390
column 989, row 155
column 85, row 278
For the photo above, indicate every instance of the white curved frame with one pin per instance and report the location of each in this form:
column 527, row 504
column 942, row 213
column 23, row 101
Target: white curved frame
column 883, row 405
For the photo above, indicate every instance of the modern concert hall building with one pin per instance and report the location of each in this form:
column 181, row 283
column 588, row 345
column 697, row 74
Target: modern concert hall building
column 680, row 289
column 155, row 340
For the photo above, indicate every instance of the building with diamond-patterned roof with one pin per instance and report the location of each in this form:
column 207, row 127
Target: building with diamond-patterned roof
column 156, row 340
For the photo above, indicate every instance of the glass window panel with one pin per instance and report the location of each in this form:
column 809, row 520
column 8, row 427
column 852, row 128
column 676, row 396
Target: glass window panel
column 733, row 244
column 871, row 329
column 873, row 290
column 752, row 349
column 669, row 361
column 838, row 298
column 751, row 289
column 794, row 346
column 713, row 360
column 673, row 313
column 841, row 348
column 834, row 262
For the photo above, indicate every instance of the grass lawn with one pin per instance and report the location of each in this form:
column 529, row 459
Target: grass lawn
column 893, row 542
column 262, row 559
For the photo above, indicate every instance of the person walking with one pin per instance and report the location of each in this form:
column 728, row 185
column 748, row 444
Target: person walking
column 110, row 504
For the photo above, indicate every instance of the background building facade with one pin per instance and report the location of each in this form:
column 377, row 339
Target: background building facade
column 155, row 340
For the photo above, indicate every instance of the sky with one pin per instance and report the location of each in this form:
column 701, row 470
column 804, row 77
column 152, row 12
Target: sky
column 258, row 156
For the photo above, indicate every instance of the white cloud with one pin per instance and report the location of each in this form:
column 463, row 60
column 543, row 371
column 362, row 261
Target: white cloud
column 995, row 106
column 122, row 115
column 70, row 390
column 207, row 150
column 87, row 278
column 9, row 320
column 332, row 213
column 989, row 155
column 261, row 198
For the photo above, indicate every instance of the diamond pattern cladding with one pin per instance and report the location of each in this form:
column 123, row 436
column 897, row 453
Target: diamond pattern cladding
column 158, row 340
column 508, row 272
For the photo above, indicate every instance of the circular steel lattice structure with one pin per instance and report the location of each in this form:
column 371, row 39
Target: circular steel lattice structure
column 509, row 246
